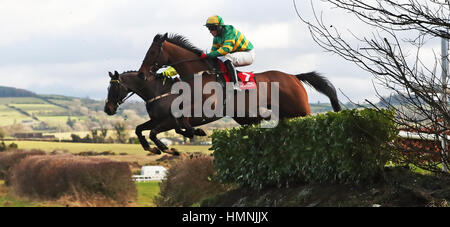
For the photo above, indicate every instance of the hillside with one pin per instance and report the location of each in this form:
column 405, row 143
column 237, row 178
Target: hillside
column 15, row 92
column 42, row 112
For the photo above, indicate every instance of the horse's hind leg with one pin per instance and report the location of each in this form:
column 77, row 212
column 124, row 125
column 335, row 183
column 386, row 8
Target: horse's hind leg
column 184, row 133
column 184, row 122
column 199, row 132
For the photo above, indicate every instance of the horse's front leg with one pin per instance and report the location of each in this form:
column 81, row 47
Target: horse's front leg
column 142, row 127
column 165, row 125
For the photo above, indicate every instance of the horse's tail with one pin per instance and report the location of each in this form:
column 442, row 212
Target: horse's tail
column 323, row 85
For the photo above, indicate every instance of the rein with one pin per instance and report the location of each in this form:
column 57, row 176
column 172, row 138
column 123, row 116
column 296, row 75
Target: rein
column 125, row 99
column 158, row 97
column 156, row 64
column 183, row 61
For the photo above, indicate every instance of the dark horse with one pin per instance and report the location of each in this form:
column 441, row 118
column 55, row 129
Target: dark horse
column 177, row 51
column 158, row 98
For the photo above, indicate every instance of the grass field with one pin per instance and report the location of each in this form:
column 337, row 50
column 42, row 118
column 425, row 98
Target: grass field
column 21, row 100
column 36, row 107
column 134, row 154
column 130, row 149
column 146, row 192
column 60, row 119
column 10, row 116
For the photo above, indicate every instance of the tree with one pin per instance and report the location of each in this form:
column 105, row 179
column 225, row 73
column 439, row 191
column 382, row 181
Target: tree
column 70, row 122
column 2, row 144
column 2, row 134
column 121, row 131
column 393, row 54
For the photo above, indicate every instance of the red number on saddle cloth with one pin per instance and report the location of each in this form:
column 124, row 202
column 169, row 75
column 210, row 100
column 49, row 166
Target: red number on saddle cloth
column 247, row 78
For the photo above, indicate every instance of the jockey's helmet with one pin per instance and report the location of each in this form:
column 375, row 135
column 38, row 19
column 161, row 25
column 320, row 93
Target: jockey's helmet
column 215, row 23
column 214, row 20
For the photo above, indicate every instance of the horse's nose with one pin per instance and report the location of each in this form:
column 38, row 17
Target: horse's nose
column 108, row 109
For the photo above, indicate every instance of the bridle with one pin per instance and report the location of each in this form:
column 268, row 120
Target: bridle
column 156, row 66
column 119, row 102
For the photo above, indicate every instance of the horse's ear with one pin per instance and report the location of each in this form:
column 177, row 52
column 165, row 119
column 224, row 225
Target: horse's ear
column 110, row 74
column 116, row 73
column 164, row 37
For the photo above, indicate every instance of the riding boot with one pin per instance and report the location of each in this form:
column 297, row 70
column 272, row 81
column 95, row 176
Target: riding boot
column 233, row 74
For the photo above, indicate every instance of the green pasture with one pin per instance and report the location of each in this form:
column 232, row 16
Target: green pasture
column 41, row 109
column 10, row 116
column 146, row 192
column 60, row 119
column 131, row 149
column 21, row 100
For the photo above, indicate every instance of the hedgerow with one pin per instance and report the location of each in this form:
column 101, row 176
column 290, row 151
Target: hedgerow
column 351, row 146
column 12, row 157
column 52, row 177
column 189, row 181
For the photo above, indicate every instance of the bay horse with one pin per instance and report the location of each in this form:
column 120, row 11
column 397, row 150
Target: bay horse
column 157, row 96
column 176, row 51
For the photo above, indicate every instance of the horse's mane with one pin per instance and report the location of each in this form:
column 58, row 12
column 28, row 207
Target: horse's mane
column 130, row 71
column 181, row 41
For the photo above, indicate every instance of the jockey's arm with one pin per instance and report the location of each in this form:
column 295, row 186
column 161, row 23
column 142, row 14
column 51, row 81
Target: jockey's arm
column 224, row 50
column 219, row 49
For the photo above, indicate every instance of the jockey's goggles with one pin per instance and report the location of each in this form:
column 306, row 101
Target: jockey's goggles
column 212, row 27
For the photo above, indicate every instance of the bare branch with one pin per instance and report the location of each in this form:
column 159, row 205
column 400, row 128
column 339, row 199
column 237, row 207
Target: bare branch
column 417, row 90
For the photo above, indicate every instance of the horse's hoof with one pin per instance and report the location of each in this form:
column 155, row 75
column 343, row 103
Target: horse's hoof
column 154, row 150
column 172, row 151
column 199, row 132
column 175, row 151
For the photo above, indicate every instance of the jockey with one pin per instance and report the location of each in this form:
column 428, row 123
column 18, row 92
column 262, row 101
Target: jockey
column 229, row 44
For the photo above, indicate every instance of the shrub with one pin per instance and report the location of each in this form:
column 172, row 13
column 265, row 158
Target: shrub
column 351, row 146
column 11, row 146
column 189, row 181
column 52, row 177
column 10, row 158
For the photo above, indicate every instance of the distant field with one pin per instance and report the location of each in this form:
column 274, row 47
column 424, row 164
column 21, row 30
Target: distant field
column 21, row 100
column 37, row 107
column 40, row 108
column 10, row 116
column 60, row 119
column 131, row 149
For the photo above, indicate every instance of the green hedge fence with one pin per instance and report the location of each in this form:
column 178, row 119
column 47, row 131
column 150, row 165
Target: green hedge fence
column 351, row 146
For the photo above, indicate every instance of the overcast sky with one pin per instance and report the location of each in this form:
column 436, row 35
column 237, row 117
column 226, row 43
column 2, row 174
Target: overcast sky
column 67, row 47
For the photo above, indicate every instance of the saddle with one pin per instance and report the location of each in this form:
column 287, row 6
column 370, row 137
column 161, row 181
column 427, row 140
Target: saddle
column 246, row 79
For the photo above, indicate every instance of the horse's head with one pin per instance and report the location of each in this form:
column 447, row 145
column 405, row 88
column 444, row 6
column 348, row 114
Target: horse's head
column 155, row 58
column 117, row 92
